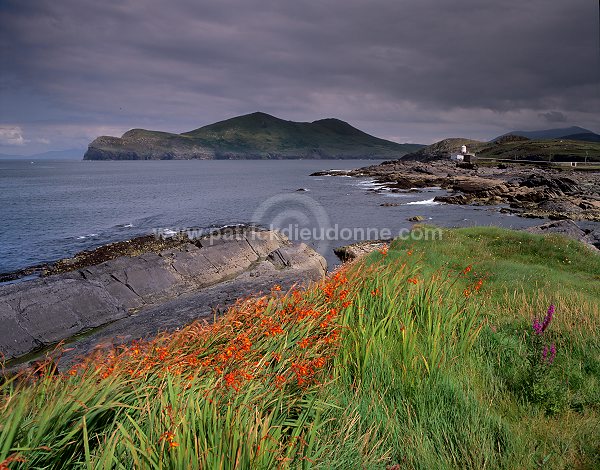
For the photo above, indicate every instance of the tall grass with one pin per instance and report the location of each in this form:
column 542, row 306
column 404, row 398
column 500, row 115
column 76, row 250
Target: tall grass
column 242, row 393
column 417, row 357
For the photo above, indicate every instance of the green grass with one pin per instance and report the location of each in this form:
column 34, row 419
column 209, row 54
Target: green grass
column 546, row 150
column 422, row 357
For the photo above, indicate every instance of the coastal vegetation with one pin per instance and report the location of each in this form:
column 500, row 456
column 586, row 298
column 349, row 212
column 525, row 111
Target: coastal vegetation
column 478, row 351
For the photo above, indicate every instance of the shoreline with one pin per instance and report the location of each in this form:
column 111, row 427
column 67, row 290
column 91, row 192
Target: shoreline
column 527, row 191
column 142, row 293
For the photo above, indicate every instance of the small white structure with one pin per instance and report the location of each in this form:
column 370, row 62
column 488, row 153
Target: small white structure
column 464, row 155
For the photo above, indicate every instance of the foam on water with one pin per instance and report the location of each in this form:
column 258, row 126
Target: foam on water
column 426, row 202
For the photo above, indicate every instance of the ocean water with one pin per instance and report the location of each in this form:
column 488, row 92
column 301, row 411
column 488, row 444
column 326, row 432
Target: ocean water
column 54, row 209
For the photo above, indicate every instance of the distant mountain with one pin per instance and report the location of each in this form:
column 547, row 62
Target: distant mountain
column 252, row 136
column 548, row 133
column 584, row 137
column 68, row 154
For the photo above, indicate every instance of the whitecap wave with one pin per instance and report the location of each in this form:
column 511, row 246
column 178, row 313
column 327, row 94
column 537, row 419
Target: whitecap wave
column 83, row 237
column 426, row 202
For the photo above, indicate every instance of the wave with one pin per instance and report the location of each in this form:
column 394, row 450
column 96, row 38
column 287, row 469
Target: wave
column 426, row 202
column 371, row 184
column 83, row 237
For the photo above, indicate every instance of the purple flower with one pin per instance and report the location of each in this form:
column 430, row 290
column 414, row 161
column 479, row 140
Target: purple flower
column 548, row 354
column 537, row 327
column 540, row 327
column 548, row 318
column 552, row 354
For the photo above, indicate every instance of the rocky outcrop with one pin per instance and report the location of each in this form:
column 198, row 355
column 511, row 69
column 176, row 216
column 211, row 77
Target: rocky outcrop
column 360, row 249
column 529, row 191
column 569, row 229
column 150, row 287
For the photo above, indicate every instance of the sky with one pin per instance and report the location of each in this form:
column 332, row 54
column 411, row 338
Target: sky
column 405, row 70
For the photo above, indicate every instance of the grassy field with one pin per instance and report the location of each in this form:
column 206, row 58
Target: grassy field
column 429, row 355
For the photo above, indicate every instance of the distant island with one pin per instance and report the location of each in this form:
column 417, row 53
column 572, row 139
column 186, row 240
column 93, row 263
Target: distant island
column 252, row 136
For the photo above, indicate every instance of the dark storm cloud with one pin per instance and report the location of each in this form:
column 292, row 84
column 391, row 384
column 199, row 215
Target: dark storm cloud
column 410, row 70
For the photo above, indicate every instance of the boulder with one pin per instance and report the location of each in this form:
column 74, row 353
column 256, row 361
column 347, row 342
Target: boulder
column 360, row 249
column 567, row 228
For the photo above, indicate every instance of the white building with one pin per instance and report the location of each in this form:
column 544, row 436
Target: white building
column 463, row 155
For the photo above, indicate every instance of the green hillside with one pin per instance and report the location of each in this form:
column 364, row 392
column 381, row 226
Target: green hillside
column 252, row 136
column 547, row 150
column 514, row 148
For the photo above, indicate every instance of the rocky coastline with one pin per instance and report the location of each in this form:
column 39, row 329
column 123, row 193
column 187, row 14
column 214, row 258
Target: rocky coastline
column 525, row 190
column 135, row 289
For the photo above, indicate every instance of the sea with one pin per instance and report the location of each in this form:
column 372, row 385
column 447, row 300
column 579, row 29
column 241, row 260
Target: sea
column 54, row 209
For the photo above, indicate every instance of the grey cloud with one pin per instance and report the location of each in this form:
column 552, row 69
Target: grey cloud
column 397, row 68
column 554, row 116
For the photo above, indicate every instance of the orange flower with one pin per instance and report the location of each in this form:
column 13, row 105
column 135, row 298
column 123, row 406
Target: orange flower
column 331, row 337
column 319, row 362
column 276, row 330
column 467, row 292
column 231, row 381
column 302, row 373
column 328, row 290
column 276, row 287
column 413, row 280
column 375, row 292
column 279, row 381
column 162, row 353
column 305, row 343
column 467, row 270
column 167, row 436
column 11, row 458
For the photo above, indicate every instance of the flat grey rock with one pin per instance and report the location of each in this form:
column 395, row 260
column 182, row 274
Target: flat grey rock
column 138, row 296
